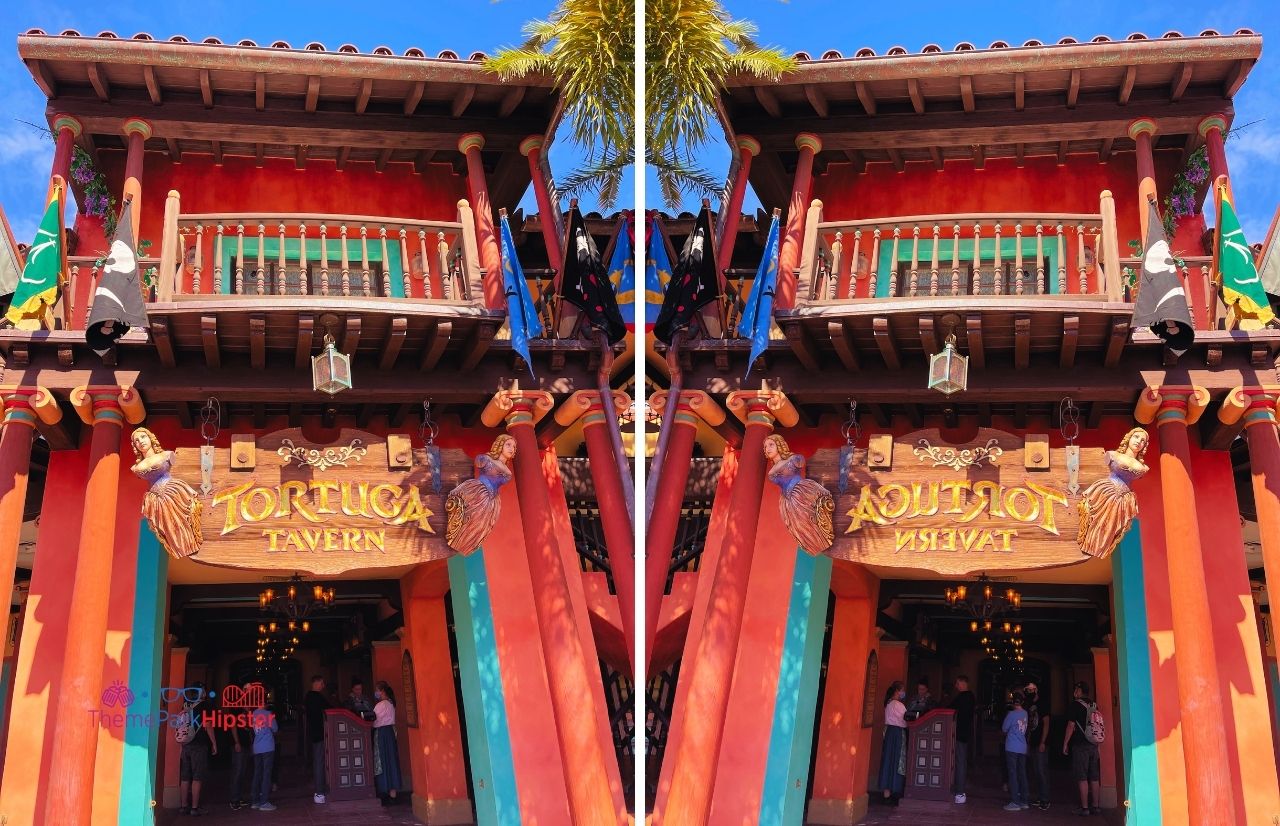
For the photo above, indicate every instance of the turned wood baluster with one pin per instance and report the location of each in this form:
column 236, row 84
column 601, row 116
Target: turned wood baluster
column 1018, row 273
column 426, row 270
column 386, row 263
column 282, row 271
column 1062, row 259
column 365, row 286
column 217, row 259
column 239, row 259
column 324, row 260
column 977, row 259
column 262, row 259
column 303, row 286
column 405, row 266
column 1080, row 262
column 1039, row 258
column 346, row 262
column 999, row 267
column 893, row 264
column 913, row 288
column 830, row 288
column 199, row 262
column 955, row 260
column 446, row 275
column 875, row 262
column 933, row 266
column 853, row 264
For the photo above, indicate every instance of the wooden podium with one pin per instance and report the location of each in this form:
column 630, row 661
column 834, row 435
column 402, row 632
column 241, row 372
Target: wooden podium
column 349, row 755
column 931, row 749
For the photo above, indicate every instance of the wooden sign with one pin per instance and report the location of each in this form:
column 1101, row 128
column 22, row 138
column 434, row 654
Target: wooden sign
column 870, row 689
column 284, row 503
column 409, row 685
column 960, row 508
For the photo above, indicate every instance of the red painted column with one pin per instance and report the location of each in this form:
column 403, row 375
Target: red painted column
column 531, row 148
column 789, row 256
column 486, row 232
column 618, row 535
column 1205, row 752
column 665, row 519
column 1142, row 130
column 569, row 676
column 1212, row 130
column 748, row 148
column 66, row 128
column 1104, row 694
column 136, row 131
column 710, row 675
column 22, row 406
column 75, row 739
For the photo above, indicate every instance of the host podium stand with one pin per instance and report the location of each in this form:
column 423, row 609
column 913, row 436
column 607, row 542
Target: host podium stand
column 348, row 755
column 931, row 748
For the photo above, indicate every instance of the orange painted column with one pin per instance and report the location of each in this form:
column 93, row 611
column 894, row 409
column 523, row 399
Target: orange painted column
column 387, row 666
column 1208, row 764
column 486, row 232
column 892, row 658
column 748, row 148
column 136, row 131
column 710, row 674
column 1105, row 696
column 569, row 675
column 75, row 739
column 66, row 128
column 177, row 676
column 531, row 148
column 1142, row 131
column 669, row 498
column 789, row 256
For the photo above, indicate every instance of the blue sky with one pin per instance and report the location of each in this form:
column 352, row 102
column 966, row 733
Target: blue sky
column 26, row 156
column 815, row 26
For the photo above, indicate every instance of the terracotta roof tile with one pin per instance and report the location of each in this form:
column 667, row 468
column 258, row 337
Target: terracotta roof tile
column 933, row 48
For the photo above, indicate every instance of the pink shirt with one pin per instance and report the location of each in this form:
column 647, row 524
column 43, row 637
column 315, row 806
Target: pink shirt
column 895, row 714
column 384, row 714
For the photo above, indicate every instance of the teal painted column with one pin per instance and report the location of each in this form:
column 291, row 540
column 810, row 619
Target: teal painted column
column 139, row 768
column 1133, row 655
column 786, row 776
column 493, row 773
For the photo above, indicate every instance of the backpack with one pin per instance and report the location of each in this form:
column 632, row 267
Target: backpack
column 185, row 728
column 1095, row 728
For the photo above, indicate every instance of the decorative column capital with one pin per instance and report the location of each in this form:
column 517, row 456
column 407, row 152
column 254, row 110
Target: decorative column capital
column 763, row 407
column 1211, row 122
column 749, row 146
column 1255, row 405
column 528, row 144
column 588, row 405
column 810, row 141
column 692, row 406
column 469, row 141
column 1141, row 126
column 108, row 403
column 26, row 405
column 138, row 126
column 1171, row 403
column 65, row 121
column 515, row 406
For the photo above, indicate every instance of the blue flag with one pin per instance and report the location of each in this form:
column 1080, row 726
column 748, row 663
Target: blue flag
column 657, row 273
column 521, row 314
column 758, row 314
column 622, row 272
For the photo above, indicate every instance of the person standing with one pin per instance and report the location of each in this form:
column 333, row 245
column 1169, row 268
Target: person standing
column 198, row 743
column 316, row 703
column 1015, row 751
column 893, row 757
column 1086, row 767
column 387, row 755
column 358, row 702
column 265, row 727
column 241, row 758
column 964, row 705
column 1038, row 745
column 922, row 702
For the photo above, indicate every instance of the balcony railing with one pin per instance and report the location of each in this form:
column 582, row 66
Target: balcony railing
column 975, row 254
column 1207, row 310
column 294, row 254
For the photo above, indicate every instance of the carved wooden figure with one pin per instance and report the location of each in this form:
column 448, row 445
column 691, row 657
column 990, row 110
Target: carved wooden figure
column 473, row 506
column 806, row 506
column 171, row 506
column 1109, row 506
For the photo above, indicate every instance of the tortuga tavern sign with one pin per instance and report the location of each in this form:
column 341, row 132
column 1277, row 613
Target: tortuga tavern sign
column 282, row 502
column 993, row 503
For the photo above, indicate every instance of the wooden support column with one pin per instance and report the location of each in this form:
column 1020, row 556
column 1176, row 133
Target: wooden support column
column 1106, row 698
column 748, row 148
column 665, row 519
column 569, row 675
column 137, row 131
column 789, row 256
column 486, row 232
column 1205, row 752
column 710, row 673
column 1142, row 131
column 66, row 128
column 75, row 732
column 531, row 148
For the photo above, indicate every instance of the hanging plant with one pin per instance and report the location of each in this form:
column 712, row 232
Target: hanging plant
column 98, row 200
column 1181, row 200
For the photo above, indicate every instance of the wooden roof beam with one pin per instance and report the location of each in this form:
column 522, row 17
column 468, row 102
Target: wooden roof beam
column 511, row 100
column 917, row 99
column 414, row 97
column 209, row 338
column 768, row 101
column 206, row 89
column 973, row 336
column 217, row 152
column 300, row 156
column 928, row 336
column 1126, row 84
column 463, row 99
column 979, row 156
column 98, row 80
column 1019, row 91
column 43, row 77
column 842, row 339
column 1236, row 78
column 1022, row 342
column 306, row 338
column 362, row 97
column 437, row 342
column 344, row 152
column 865, row 96
column 895, row 157
column 313, row 94
column 175, row 152
column 1094, row 417
column 913, row 414
column 260, row 91
column 163, row 341
column 351, row 336
column 258, row 342
column 421, row 161
column 817, row 100
column 1073, row 89
column 966, row 93
column 1020, row 154
column 858, row 160
column 395, row 341
column 1180, row 82
column 884, row 340
column 478, row 344
column 1070, row 338
column 1115, row 345
column 801, row 344
column 259, row 154
column 1104, row 152
column 153, row 85
column 1062, row 153
column 383, row 158
column 936, row 154
column 1020, row 415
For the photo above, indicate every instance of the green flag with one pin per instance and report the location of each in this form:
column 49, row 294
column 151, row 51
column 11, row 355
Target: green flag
column 1241, row 287
column 37, row 288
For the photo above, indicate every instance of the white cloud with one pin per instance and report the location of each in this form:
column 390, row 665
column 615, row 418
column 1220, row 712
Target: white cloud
column 21, row 142
column 1252, row 147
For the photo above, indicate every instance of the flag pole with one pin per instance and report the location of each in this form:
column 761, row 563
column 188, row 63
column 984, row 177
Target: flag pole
column 675, row 386
column 1215, row 273
column 58, row 191
column 611, row 420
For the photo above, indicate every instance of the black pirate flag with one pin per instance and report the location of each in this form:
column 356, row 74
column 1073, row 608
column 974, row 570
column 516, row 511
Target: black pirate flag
column 693, row 282
column 1162, row 302
column 117, row 301
column 585, row 283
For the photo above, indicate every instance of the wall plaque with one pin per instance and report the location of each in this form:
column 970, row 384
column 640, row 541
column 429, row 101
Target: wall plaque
column 323, row 509
column 959, row 508
column 409, row 685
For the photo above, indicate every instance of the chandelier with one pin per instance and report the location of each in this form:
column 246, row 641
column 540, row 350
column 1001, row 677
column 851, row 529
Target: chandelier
column 984, row 604
column 296, row 603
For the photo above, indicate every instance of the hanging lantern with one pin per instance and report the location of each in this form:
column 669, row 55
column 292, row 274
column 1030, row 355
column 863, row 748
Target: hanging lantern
column 948, row 369
column 973, row 626
column 331, row 369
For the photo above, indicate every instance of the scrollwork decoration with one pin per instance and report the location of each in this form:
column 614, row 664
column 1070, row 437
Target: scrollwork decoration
column 321, row 459
column 958, row 459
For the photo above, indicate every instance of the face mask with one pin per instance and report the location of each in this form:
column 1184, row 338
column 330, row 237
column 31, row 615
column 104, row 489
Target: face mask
column 902, row 695
column 377, row 695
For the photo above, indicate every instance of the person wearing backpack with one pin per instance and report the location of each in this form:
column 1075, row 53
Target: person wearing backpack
column 1085, row 730
column 198, row 742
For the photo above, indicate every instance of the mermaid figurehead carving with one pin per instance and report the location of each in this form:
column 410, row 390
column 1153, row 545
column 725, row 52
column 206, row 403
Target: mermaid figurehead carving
column 473, row 506
column 171, row 506
column 1109, row 506
column 805, row 505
